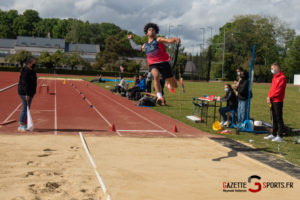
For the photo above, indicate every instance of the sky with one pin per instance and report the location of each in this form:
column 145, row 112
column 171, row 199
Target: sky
column 187, row 18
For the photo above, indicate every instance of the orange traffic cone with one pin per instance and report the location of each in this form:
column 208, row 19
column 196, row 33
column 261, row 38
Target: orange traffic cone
column 175, row 129
column 113, row 128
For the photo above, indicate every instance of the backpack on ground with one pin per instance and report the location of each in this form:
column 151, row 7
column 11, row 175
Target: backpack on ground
column 147, row 101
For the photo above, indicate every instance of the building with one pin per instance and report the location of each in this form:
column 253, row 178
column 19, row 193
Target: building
column 37, row 46
column 7, row 47
column 190, row 68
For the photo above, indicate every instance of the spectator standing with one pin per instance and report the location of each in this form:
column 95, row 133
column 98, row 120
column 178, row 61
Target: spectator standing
column 26, row 89
column 275, row 99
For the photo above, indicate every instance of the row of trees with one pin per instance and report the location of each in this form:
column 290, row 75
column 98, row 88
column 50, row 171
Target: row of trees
column 112, row 39
column 13, row 24
column 274, row 42
column 51, row 61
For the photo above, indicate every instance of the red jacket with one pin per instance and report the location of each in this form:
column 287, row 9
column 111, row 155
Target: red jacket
column 277, row 89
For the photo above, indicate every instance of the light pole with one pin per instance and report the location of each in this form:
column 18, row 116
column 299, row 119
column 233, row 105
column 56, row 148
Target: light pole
column 203, row 36
column 179, row 28
column 223, row 52
column 209, row 27
column 169, row 30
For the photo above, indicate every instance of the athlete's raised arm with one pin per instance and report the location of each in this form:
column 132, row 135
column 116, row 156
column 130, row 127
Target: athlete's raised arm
column 168, row 40
column 134, row 45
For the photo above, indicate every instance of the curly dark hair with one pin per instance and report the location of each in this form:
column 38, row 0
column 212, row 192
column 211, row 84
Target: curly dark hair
column 151, row 25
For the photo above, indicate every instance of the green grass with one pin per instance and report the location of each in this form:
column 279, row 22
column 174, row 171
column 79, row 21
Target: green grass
column 180, row 105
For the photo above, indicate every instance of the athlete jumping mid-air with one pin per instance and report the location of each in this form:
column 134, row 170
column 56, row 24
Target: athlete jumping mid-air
column 158, row 59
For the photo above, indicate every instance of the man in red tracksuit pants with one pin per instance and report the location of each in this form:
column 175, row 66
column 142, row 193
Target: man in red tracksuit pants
column 275, row 98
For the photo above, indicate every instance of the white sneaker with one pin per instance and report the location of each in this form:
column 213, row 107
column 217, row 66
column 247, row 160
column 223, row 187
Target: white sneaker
column 277, row 139
column 222, row 123
column 226, row 123
column 269, row 137
column 22, row 128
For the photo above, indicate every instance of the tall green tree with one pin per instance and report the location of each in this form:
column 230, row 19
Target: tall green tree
column 61, row 29
column 24, row 24
column 292, row 61
column 45, row 26
column 6, row 23
column 270, row 36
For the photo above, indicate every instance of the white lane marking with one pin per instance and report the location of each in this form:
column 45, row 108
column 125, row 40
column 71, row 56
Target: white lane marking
column 12, row 113
column 98, row 112
column 55, row 110
column 150, row 131
column 94, row 166
column 16, row 109
column 41, row 110
column 110, row 99
column 10, row 86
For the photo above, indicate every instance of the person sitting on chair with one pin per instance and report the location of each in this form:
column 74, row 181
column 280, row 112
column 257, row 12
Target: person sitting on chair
column 122, row 86
column 231, row 99
column 140, row 87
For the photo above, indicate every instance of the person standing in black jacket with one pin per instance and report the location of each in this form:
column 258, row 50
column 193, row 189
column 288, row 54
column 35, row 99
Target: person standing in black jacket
column 231, row 99
column 243, row 95
column 27, row 89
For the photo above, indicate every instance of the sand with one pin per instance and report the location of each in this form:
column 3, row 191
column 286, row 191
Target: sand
column 57, row 167
column 45, row 167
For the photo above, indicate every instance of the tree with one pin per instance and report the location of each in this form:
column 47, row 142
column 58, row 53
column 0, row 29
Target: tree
column 45, row 60
column 115, row 46
column 45, row 26
column 292, row 60
column 19, row 57
column 271, row 37
column 75, row 59
column 78, row 32
column 58, row 58
column 6, row 22
column 24, row 24
column 61, row 29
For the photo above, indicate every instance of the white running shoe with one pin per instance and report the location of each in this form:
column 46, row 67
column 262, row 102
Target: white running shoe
column 222, row 123
column 226, row 123
column 22, row 128
column 161, row 101
column 269, row 137
column 277, row 139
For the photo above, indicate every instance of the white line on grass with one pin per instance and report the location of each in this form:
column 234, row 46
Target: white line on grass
column 94, row 166
column 10, row 86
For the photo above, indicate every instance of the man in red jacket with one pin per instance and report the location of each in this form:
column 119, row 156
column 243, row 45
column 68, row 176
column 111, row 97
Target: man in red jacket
column 275, row 98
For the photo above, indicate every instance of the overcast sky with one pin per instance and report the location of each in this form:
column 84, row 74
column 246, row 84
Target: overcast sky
column 134, row 14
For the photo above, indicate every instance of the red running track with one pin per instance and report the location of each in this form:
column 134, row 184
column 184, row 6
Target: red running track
column 8, row 78
column 81, row 106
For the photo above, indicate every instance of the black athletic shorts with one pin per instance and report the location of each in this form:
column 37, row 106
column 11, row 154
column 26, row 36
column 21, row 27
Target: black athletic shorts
column 164, row 69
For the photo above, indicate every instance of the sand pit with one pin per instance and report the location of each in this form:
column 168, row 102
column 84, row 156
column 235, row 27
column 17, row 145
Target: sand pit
column 57, row 167
column 177, row 169
column 45, row 167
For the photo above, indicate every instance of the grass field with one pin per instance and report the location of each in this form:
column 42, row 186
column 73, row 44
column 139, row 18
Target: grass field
column 180, row 105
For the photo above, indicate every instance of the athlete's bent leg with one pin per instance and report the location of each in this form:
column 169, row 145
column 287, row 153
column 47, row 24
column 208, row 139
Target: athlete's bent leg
column 173, row 82
column 156, row 77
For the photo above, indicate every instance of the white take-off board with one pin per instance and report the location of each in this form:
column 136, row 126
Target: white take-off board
column 297, row 79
